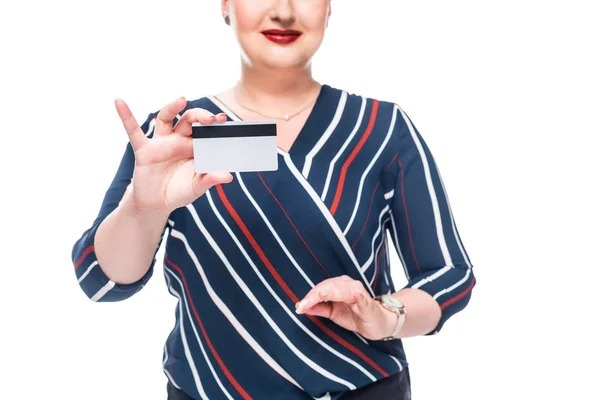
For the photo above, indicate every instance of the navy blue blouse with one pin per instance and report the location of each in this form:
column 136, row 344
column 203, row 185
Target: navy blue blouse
column 240, row 257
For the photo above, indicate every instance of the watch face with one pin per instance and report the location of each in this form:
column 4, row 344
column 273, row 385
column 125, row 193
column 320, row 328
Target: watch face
column 393, row 302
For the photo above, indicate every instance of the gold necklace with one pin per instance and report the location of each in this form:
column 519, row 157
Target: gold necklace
column 286, row 117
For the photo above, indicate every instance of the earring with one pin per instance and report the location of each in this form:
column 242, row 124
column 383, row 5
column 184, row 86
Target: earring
column 227, row 20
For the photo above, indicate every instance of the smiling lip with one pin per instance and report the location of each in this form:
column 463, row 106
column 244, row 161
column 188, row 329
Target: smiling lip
column 282, row 36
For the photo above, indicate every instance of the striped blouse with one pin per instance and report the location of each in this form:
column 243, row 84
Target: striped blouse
column 238, row 258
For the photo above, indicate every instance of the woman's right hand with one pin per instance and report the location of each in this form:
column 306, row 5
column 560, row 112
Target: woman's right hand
column 164, row 178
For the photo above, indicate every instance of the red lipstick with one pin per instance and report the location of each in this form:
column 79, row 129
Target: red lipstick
column 280, row 36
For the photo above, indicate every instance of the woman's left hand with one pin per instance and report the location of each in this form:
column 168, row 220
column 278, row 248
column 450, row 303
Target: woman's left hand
column 346, row 302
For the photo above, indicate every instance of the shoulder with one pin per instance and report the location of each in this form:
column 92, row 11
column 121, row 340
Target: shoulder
column 377, row 107
column 385, row 121
column 385, row 114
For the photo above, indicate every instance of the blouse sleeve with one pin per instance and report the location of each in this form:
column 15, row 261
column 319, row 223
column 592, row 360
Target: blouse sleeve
column 422, row 226
column 94, row 283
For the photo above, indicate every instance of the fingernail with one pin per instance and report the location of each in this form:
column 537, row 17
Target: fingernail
column 324, row 292
column 302, row 304
column 182, row 98
column 220, row 115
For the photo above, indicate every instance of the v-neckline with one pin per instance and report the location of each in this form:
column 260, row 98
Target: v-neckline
column 309, row 120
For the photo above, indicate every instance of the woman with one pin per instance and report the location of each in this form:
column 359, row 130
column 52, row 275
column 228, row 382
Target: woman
column 283, row 278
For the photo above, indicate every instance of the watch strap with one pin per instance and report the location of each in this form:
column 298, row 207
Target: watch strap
column 399, row 310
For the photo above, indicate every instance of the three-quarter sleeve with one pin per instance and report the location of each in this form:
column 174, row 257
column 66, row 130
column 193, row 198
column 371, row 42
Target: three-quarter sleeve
column 422, row 226
column 94, row 283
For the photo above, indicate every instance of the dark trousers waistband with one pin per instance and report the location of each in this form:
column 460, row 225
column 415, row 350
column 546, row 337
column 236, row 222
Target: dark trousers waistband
column 395, row 387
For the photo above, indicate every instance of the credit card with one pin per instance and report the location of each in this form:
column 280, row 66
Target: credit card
column 235, row 146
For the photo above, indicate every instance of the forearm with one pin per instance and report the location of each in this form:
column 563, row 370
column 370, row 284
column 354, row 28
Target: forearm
column 126, row 241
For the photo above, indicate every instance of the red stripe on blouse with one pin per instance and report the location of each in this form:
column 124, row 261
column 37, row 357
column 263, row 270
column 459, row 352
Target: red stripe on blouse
column 287, row 289
column 293, row 225
column 458, row 296
column 367, row 217
column 226, row 371
column 346, row 165
column 85, row 253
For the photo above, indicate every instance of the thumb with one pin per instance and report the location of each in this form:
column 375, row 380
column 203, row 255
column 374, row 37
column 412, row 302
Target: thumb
column 202, row 182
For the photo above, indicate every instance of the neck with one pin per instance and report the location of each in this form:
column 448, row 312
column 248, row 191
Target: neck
column 276, row 90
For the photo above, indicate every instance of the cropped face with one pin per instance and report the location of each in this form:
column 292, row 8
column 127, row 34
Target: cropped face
column 278, row 33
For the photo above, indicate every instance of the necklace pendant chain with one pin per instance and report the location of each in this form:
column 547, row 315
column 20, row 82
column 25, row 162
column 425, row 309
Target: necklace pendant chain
column 286, row 117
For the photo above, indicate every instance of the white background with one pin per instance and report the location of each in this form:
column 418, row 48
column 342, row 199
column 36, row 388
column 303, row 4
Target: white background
column 506, row 94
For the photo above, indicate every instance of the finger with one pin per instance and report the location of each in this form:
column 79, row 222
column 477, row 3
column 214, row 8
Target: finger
column 205, row 117
column 331, row 281
column 320, row 310
column 334, row 280
column 165, row 117
column 312, row 297
column 135, row 133
column 202, row 182
column 337, row 289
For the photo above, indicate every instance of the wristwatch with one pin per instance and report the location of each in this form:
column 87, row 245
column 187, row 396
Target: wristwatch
column 397, row 307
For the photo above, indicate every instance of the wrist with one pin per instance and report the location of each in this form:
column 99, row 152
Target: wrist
column 388, row 323
column 396, row 316
column 131, row 209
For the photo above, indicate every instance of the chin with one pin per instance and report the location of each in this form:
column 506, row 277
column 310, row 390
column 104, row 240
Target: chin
column 283, row 63
column 279, row 60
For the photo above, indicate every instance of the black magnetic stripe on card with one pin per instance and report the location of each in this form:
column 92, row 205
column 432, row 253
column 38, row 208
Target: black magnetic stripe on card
column 233, row 131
